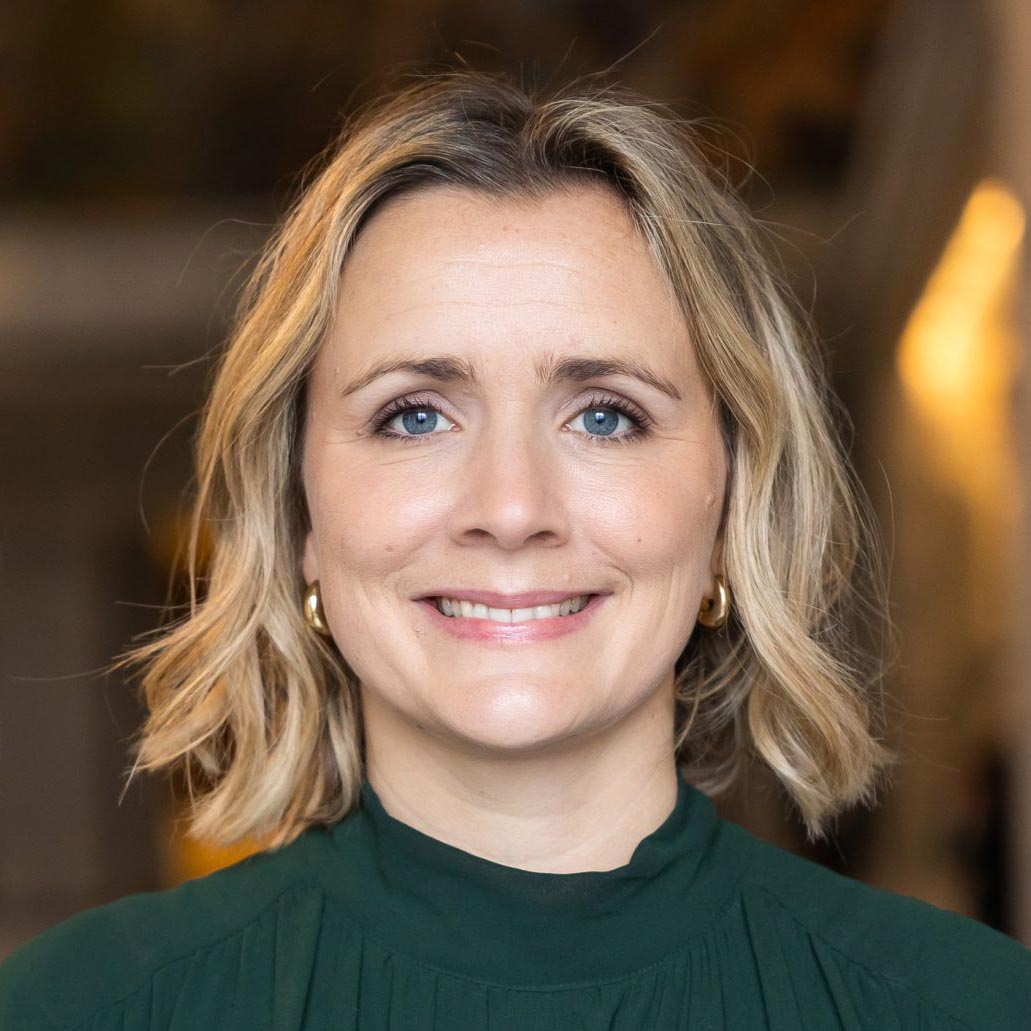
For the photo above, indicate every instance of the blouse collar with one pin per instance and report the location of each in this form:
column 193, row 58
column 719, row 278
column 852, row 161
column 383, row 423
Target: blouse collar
column 462, row 913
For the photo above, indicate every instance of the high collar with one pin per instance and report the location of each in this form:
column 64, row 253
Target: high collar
column 468, row 915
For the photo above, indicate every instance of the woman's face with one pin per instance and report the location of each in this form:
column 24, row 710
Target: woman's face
column 524, row 464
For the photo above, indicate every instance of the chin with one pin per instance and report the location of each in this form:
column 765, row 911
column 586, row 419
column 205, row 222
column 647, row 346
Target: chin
column 517, row 723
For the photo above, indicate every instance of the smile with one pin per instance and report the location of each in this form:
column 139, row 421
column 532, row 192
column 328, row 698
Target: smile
column 456, row 608
column 490, row 625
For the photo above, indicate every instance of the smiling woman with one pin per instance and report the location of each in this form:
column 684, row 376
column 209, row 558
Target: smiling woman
column 531, row 525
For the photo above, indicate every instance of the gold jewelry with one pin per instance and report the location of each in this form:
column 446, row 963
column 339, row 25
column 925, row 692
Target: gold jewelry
column 713, row 613
column 314, row 614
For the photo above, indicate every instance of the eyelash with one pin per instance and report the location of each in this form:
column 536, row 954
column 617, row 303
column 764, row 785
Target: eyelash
column 415, row 403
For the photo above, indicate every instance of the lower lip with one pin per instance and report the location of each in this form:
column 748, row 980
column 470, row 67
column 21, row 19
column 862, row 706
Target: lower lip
column 488, row 631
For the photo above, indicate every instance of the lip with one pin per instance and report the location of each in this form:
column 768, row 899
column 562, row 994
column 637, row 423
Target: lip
column 486, row 631
column 493, row 599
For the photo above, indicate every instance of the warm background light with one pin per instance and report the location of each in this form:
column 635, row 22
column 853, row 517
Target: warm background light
column 958, row 357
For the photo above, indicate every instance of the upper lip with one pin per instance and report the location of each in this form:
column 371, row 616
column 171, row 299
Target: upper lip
column 493, row 599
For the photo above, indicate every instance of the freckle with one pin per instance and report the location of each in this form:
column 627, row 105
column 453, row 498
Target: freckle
column 390, row 547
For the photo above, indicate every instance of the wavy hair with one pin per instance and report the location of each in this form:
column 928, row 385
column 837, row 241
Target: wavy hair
column 263, row 717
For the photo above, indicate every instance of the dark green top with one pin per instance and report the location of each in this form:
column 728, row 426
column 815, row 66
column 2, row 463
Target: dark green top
column 373, row 925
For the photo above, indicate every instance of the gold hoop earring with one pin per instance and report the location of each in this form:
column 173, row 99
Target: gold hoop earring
column 314, row 614
column 713, row 613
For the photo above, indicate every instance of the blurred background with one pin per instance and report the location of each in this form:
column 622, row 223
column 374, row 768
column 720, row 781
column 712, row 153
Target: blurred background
column 147, row 147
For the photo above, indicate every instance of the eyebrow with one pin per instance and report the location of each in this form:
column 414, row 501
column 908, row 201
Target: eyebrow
column 450, row 368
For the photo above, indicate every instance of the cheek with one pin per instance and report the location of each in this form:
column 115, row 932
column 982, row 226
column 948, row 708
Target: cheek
column 656, row 517
column 367, row 515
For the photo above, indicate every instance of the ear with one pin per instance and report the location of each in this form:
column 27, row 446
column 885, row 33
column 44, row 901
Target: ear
column 310, row 561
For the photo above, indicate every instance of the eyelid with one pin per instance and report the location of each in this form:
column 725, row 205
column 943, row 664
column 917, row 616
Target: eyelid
column 597, row 395
column 607, row 400
column 405, row 402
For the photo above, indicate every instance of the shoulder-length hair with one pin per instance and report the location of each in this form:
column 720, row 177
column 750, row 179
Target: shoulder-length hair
column 263, row 716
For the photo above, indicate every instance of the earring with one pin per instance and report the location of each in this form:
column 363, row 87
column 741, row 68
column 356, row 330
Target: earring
column 314, row 615
column 713, row 613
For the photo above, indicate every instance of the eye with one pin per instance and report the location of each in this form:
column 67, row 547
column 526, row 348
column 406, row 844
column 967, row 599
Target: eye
column 601, row 420
column 414, row 419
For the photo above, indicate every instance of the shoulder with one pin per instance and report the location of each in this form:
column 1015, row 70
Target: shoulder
column 943, row 961
column 103, row 955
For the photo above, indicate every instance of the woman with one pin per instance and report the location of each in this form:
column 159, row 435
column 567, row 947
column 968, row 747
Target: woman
column 530, row 525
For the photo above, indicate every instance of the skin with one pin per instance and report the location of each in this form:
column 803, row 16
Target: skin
column 553, row 756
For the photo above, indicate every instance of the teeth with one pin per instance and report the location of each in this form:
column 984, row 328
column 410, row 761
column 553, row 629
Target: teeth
column 456, row 608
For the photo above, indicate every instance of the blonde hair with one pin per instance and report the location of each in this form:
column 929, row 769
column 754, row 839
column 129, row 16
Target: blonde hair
column 263, row 717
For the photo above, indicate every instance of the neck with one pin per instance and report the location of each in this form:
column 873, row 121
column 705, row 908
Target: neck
column 584, row 805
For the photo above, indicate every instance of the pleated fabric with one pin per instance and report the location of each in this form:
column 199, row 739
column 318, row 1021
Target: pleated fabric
column 372, row 925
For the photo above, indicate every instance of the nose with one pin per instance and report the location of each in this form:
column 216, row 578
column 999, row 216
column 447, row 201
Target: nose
column 511, row 489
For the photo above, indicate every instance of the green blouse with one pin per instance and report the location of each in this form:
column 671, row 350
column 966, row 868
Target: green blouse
column 370, row 924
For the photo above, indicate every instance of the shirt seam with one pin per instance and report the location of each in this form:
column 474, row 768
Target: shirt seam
column 863, row 964
column 673, row 954
column 152, row 972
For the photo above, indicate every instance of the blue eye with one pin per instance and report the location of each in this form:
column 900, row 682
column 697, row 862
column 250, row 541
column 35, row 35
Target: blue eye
column 602, row 421
column 420, row 418
column 417, row 421
column 603, row 414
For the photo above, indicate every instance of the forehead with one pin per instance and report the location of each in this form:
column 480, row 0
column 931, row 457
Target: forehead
column 451, row 266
